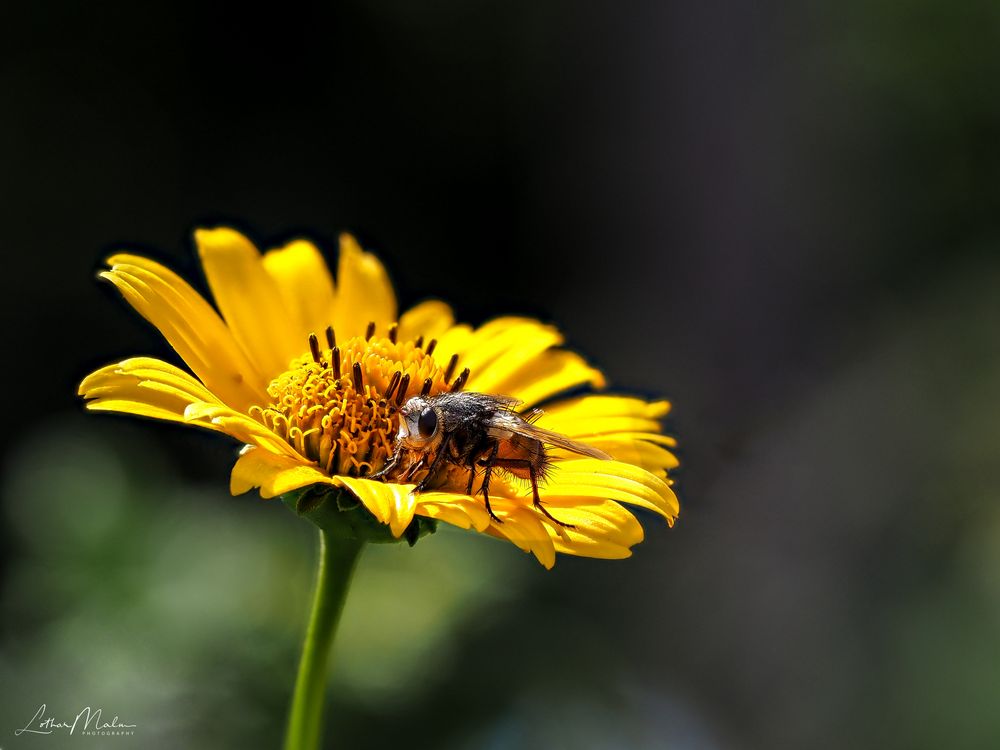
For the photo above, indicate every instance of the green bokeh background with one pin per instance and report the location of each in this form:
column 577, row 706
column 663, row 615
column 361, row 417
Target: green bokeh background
column 785, row 217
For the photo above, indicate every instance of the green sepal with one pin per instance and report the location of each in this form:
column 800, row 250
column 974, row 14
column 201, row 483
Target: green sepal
column 339, row 513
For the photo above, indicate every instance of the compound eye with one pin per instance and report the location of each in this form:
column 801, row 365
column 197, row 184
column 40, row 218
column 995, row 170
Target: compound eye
column 427, row 422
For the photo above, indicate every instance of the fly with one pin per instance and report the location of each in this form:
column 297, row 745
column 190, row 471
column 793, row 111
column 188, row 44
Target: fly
column 474, row 431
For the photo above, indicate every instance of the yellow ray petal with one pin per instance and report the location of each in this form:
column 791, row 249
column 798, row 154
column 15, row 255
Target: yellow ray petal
column 142, row 401
column 376, row 496
column 145, row 387
column 598, row 528
column 602, row 520
column 241, row 427
column 603, row 405
column 458, row 510
column 389, row 503
column 604, row 530
column 508, row 370
column 276, row 475
column 151, row 388
column 513, row 356
column 552, row 373
column 249, row 300
column 630, row 450
column 518, row 338
column 429, row 319
column 523, row 526
column 402, row 513
column 571, row 480
column 581, row 545
column 142, row 406
column 649, row 436
column 306, row 286
column 625, row 427
column 452, row 341
column 143, row 369
column 273, row 474
column 190, row 326
column 581, row 427
column 364, row 292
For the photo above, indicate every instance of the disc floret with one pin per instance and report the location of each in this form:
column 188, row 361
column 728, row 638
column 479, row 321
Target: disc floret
column 338, row 405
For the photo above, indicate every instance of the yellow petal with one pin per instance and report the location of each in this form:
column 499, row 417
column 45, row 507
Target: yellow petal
column 190, row 326
column 523, row 526
column 241, row 427
column 604, row 405
column 143, row 406
column 510, row 367
column 148, row 369
column 604, row 530
column 589, row 478
column 146, row 387
column 629, row 450
column 650, row 436
column 521, row 337
column 598, row 528
column 514, row 356
column 582, row 427
column 458, row 510
column 429, row 319
column 273, row 474
column 249, row 300
column 402, row 512
column 552, row 373
column 306, row 286
column 389, row 503
column 276, row 475
column 453, row 341
column 151, row 388
column 625, row 427
column 364, row 292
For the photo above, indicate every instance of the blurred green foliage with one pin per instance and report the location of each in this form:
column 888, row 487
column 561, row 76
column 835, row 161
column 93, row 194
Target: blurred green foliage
column 786, row 216
column 182, row 608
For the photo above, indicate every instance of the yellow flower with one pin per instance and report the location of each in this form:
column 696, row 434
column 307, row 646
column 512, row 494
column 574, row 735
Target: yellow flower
column 310, row 376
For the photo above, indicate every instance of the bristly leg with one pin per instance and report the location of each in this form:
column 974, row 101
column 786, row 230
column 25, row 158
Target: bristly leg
column 413, row 468
column 538, row 501
column 391, row 464
column 489, row 462
column 472, row 479
column 523, row 463
column 435, row 464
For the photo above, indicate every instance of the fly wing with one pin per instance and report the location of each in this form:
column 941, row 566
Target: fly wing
column 506, row 403
column 466, row 401
column 561, row 441
column 503, row 424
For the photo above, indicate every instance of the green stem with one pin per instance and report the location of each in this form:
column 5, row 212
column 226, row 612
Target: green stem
column 337, row 557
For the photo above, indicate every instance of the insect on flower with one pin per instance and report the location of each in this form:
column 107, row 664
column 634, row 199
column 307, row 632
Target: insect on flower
column 324, row 380
column 471, row 431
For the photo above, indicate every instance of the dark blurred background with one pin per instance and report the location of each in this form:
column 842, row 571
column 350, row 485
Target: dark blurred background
column 782, row 216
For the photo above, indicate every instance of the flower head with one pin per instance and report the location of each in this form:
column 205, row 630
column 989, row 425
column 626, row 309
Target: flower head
column 311, row 375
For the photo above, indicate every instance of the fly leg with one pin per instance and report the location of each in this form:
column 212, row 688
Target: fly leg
column 390, row 465
column 523, row 463
column 489, row 463
column 472, row 478
column 412, row 469
column 538, row 501
column 435, row 464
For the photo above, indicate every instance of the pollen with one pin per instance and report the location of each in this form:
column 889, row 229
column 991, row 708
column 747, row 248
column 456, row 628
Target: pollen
column 338, row 405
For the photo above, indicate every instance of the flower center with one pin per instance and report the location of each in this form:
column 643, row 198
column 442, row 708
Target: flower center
column 339, row 405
